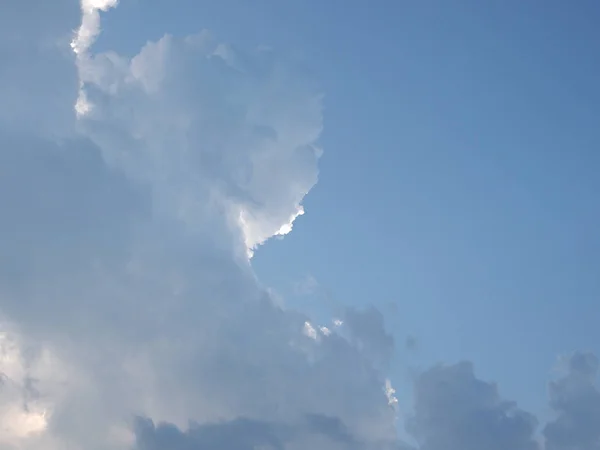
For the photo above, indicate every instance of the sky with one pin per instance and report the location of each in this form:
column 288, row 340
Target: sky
column 287, row 225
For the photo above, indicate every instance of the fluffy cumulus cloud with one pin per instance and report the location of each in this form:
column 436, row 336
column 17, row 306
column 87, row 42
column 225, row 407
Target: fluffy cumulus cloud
column 134, row 190
column 131, row 316
column 453, row 410
column 207, row 128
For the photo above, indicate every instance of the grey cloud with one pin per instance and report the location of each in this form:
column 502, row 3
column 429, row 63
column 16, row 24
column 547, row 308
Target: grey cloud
column 313, row 431
column 182, row 118
column 63, row 211
column 123, row 263
column 366, row 328
column 576, row 400
column 456, row 411
column 239, row 434
column 123, row 253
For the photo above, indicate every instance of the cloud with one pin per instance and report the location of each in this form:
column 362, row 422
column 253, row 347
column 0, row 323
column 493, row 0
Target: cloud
column 16, row 389
column 124, row 254
column 576, row 400
column 89, row 29
column 455, row 410
column 131, row 317
column 366, row 329
column 204, row 132
column 84, row 38
column 313, row 431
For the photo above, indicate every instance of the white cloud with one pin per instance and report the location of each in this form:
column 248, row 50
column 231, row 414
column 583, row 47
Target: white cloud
column 84, row 38
column 130, row 306
column 31, row 379
column 205, row 134
column 309, row 331
column 90, row 23
column 390, row 393
column 20, row 417
column 123, row 252
column 326, row 331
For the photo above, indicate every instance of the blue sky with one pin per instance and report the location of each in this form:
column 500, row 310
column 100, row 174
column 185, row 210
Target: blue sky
column 455, row 198
column 459, row 176
column 459, row 180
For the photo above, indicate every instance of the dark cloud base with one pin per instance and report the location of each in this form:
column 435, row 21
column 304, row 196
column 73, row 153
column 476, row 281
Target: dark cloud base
column 454, row 410
column 242, row 434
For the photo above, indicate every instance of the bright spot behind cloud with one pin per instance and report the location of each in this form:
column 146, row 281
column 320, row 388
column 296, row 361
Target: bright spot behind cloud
column 24, row 369
column 86, row 35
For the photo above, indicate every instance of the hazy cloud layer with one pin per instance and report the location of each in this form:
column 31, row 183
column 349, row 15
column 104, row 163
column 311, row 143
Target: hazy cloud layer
column 131, row 317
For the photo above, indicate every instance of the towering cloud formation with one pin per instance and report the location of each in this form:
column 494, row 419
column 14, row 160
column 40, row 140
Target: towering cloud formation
column 124, row 265
column 205, row 126
column 131, row 316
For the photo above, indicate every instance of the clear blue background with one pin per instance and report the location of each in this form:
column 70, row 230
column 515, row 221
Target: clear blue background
column 459, row 185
